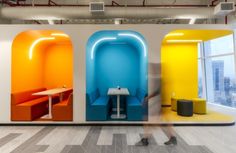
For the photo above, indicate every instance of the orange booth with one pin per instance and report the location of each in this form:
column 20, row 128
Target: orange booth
column 42, row 63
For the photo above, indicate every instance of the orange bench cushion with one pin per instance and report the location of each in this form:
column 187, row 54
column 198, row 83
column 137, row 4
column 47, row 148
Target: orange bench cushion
column 21, row 97
column 26, row 107
column 63, row 103
column 34, row 102
column 63, row 111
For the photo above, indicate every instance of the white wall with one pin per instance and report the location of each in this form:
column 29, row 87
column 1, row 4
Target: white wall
column 79, row 35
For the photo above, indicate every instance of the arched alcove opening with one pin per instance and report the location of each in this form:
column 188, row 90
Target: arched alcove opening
column 188, row 62
column 115, row 59
column 41, row 60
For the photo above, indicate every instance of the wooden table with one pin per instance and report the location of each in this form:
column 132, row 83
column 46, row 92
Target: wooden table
column 50, row 93
column 118, row 92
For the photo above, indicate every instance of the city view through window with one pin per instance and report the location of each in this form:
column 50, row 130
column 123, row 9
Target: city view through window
column 216, row 71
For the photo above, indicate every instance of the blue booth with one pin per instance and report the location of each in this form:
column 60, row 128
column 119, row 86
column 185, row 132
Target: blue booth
column 116, row 58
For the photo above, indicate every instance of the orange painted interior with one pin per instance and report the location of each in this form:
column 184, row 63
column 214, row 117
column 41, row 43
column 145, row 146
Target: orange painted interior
column 22, row 68
column 58, row 66
column 51, row 66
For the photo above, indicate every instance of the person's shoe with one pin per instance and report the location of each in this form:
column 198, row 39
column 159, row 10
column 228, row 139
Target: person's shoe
column 172, row 141
column 142, row 142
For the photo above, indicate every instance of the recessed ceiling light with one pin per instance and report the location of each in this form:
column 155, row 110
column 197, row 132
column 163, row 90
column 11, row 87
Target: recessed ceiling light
column 183, row 41
column 35, row 43
column 99, row 41
column 174, row 34
column 192, row 20
column 51, row 22
column 117, row 21
column 59, row 34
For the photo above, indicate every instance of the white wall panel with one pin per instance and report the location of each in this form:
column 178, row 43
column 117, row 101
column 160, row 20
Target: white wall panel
column 79, row 35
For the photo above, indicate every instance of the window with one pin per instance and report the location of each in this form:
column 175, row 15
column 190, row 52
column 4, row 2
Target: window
column 219, row 46
column 219, row 71
column 201, row 91
column 200, row 80
column 221, row 79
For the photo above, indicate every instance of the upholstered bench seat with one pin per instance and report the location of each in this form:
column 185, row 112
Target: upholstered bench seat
column 174, row 103
column 133, row 101
column 101, row 101
column 63, row 103
column 137, row 109
column 34, row 102
column 199, row 106
column 63, row 111
column 97, row 106
column 184, row 107
column 27, row 107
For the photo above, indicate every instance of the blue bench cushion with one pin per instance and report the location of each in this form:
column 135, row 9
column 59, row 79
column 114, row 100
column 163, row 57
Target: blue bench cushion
column 93, row 96
column 101, row 101
column 140, row 94
column 133, row 101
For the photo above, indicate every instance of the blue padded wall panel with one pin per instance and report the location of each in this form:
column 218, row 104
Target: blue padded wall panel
column 117, row 65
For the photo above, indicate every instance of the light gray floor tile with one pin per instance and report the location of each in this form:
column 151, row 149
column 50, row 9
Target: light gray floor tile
column 8, row 138
column 90, row 142
column 29, row 146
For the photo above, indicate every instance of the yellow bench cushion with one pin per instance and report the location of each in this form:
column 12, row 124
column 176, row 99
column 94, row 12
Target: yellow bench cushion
column 199, row 106
column 174, row 103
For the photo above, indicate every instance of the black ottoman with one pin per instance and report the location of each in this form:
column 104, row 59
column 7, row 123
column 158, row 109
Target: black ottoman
column 184, row 107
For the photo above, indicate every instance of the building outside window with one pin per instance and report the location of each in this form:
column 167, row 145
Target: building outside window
column 216, row 65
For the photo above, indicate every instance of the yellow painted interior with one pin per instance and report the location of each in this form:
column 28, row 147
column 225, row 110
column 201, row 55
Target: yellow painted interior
column 179, row 71
column 44, row 69
column 179, row 67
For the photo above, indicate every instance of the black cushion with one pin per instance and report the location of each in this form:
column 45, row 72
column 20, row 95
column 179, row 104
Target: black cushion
column 185, row 107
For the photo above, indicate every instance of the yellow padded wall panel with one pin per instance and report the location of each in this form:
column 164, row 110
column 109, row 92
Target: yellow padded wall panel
column 179, row 70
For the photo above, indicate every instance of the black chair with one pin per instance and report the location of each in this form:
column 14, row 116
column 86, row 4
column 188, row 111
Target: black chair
column 184, row 107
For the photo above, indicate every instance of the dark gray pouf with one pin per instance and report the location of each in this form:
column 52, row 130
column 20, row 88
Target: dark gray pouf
column 184, row 107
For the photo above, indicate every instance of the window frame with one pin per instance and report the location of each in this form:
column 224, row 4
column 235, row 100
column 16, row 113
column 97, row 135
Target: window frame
column 203, row 59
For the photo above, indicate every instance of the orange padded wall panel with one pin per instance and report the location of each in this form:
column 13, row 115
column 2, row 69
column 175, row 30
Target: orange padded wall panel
column 58, row 65
column 26, row 74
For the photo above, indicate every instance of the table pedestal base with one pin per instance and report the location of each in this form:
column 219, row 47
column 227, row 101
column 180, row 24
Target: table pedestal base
column 115, row 116
column 115, row 109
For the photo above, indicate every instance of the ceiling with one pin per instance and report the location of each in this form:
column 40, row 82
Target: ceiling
column 122, row 3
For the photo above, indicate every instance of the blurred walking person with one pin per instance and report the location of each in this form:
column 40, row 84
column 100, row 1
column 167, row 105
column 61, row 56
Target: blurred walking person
column 157, row 111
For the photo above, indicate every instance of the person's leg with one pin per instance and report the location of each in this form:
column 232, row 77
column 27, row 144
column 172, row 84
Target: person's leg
column 169, row 128
column 172, row 139
column 144, row 140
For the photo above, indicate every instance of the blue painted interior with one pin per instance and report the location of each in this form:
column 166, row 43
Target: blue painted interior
column 116, row 58
column 117, row 65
